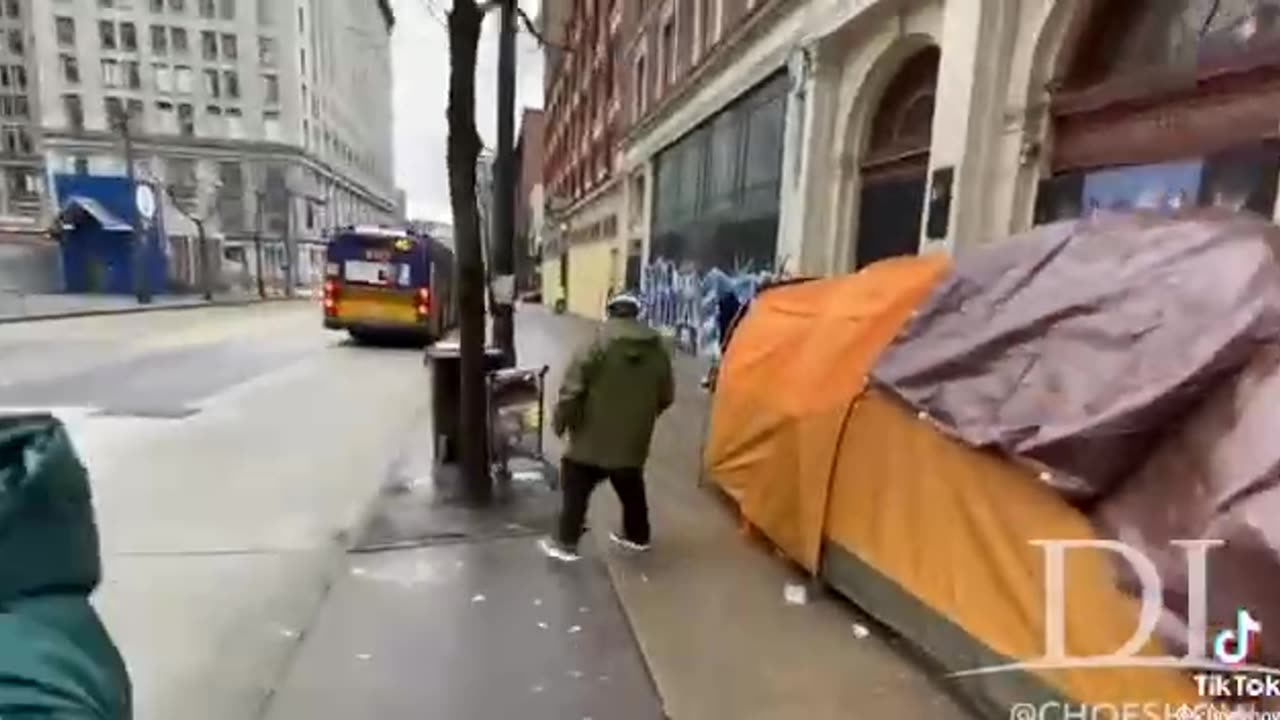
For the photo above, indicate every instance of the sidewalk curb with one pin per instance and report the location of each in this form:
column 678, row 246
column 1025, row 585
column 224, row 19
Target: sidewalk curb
column 136, row 310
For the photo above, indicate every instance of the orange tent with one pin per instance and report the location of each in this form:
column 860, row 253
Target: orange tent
column 780, row 403
column 927, row 534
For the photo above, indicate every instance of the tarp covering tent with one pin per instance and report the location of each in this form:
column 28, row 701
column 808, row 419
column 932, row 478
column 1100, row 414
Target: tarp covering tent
column 1130, row 356
column 1075, row 344
column 1214, row 476
column 1044, row 378
column 771, row 420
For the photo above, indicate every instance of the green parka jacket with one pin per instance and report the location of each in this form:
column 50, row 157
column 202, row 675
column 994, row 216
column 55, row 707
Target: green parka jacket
column 613, row 392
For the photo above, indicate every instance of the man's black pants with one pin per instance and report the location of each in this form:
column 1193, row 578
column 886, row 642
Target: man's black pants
column 578, row 480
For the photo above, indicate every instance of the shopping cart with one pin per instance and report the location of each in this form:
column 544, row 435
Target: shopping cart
column 517, row 425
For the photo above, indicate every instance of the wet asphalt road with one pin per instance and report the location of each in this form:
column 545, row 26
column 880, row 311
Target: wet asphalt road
column 235, row 455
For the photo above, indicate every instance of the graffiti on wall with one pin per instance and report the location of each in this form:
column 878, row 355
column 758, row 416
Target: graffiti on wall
column 681, row 299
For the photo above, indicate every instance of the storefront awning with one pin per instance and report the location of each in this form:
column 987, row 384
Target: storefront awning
column 94, row 209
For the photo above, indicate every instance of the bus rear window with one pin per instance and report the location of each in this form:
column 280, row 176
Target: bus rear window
column 372, row 260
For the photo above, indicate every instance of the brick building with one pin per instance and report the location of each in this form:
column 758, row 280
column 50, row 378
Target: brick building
column 581, row 263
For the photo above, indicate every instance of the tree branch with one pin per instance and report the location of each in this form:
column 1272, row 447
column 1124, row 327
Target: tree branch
column 532, row 29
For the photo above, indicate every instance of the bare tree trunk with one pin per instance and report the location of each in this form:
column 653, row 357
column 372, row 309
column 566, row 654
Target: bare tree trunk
column 463, row 151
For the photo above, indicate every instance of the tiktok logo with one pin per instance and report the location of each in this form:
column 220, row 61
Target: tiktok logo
column 1234, row 646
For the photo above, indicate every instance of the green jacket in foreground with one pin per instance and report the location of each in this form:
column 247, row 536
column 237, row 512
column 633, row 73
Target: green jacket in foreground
column 56, row 660
column 613, row 392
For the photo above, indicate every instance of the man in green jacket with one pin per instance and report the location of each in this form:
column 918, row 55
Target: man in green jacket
column 57, row 661
column 613, row 392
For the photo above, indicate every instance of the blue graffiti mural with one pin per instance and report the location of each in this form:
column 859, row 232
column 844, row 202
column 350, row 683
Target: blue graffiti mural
column 685, row 302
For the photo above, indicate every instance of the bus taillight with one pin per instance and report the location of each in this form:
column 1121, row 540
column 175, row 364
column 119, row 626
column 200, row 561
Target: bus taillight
column 330, row 297
column 424, row 301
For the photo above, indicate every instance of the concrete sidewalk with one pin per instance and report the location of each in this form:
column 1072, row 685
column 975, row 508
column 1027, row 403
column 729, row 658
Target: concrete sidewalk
column 707, row 605
column 21, row 307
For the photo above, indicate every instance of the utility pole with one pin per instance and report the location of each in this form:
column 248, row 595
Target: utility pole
column 141, row 287
column 259, row 199
column 504, row 193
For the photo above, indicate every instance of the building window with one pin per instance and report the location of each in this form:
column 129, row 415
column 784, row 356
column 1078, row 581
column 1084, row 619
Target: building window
column 209, row 45
column 114, row 108
column 106, row 3
column 107, row 34
column 271, row 88
column 168, row 118
column 70, row 69
column 217, row 126
column 231, row 82
column 164, row 78
column 65, row 28
column 230, row 46
column 208, row 9
column 17, row 45
column 159, row 40
column 183, row 80
column 642, row 88
column 132, row 75
column 271, row 125
column 266, row 51
column 178, row 6
column 14, row 9
column 265, row 16
column 111, row 73
column 73, row 108
column 81, row 165
column 235, row 123
column 227, row 9
column 129, row 36
column 157, row 6
column 186, row 120
column 180, row 44
column 667, row 51
column 19, row 74
column 213, row 83
column 135, row 109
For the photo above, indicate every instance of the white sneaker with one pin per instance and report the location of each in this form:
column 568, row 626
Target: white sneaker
column 627, row 544
column 555, row 551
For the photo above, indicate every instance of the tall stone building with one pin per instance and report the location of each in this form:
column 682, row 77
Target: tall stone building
column 259, row 114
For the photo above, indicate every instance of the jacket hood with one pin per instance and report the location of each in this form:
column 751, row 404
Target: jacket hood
column 632, row 337
column 48, row 538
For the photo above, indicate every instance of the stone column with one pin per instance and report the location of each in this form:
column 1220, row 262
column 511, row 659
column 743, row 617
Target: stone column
column 977, row 39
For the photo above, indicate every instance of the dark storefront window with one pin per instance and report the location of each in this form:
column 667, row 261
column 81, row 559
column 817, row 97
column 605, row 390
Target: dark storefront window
column 717, row 192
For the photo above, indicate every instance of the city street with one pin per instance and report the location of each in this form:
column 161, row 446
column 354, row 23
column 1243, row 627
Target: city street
column 232, row 451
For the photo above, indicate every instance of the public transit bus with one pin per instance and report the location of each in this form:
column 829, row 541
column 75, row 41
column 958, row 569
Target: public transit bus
column 382, row 282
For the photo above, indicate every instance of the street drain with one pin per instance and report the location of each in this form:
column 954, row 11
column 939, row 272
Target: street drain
column 154, row 413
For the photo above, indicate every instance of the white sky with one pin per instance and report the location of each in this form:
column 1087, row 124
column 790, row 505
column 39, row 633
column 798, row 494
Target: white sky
column 420, row 57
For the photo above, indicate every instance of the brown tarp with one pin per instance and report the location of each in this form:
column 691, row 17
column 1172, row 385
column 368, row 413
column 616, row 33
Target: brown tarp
column 1216, row 476
column 1074, row 344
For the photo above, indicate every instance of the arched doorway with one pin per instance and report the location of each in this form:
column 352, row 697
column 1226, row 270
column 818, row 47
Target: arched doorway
column 896, row 165
column 1163, row 103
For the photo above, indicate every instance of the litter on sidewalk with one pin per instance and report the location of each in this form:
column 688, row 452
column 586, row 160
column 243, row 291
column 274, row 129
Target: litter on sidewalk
column 795, row 594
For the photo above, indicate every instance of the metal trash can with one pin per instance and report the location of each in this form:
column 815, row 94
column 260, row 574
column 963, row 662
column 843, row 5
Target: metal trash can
column 445, row 361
